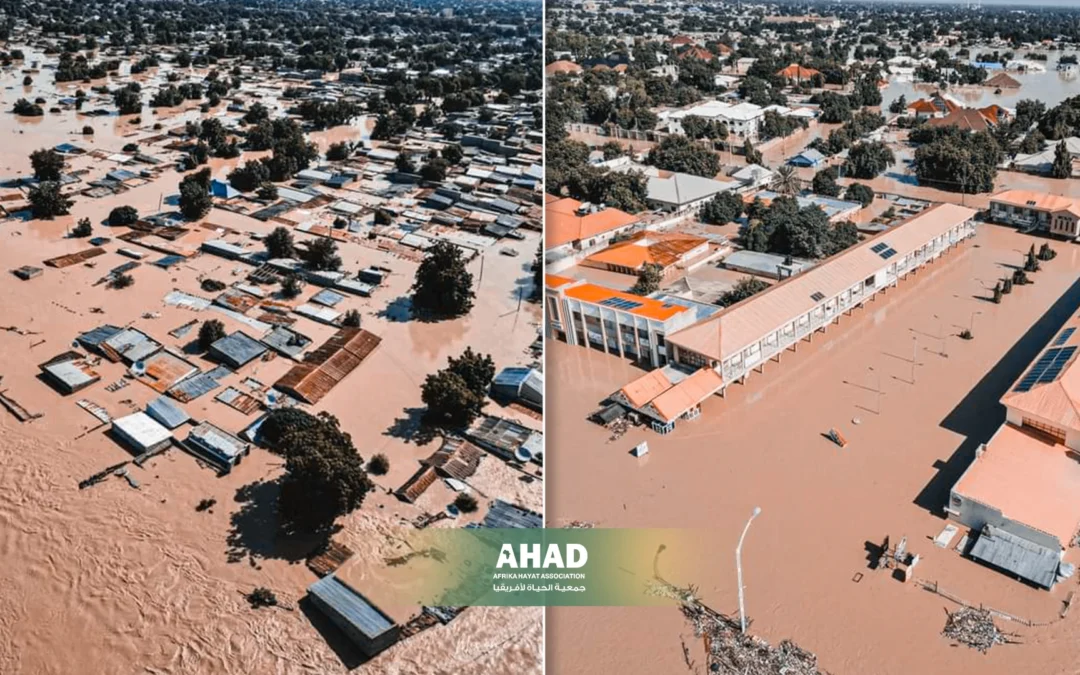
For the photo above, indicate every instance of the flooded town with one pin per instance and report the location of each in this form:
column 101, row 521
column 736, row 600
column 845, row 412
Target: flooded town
column 811, row 291
column 271, row 297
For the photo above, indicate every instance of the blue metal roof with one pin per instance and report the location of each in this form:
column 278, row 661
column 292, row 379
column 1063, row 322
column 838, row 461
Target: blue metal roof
column 350, row 606
column 95, row 336
column 166, row 412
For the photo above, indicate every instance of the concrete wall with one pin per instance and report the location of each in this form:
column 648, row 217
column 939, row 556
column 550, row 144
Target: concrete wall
column 977, row 515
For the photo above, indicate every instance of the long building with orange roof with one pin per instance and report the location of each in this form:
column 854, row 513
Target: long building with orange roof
column 1037, row 211
column 798, row 73
column 745, row 335
column 619, row 323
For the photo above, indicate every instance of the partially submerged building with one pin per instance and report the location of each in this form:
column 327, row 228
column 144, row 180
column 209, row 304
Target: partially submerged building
column 217, row 446
column 743, row 336
column 69, row 372
column 1021, row 495
column 141, row 433
column 236, row 350
column 524, row 385
column 1037, row 211
column 457, row 459
column 328, row 365
column 507, row 439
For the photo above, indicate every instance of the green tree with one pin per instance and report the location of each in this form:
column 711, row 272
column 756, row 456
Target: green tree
column 751, row 153
column 324, row 473
column 48, row 164
column 650, row 276
column 351, row 319
column 443, row 285
column 824, row 182
column 47, row 201
column 434, row 170
column 868, row 159
column 123, row 216
column 451, row 404
column 83, row 228
column 322, row 255
column 1062, row 167
column 379, row 465
column 857, row 192
column 466, row 503
column 210, row 332
column 743, row 288
column 279, row 243
column 195, row 201
column 722, row 209
column 338, row 152
column 680, row 154
column 453, row 154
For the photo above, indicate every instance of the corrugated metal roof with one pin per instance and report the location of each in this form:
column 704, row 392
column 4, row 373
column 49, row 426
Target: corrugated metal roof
column 141, row 430
column 329, row 364
column 93, row 338
column 350, row 606
column 286, row 341
column 237, row 349
column 505, row 514
column 217, row 441
column 203, row 383
column 1019, row 556
column 166, row 412
column 129, row 345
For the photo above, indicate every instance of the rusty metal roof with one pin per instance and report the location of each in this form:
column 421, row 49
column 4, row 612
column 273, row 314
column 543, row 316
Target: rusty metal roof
column 328, row 365
column 75, row 258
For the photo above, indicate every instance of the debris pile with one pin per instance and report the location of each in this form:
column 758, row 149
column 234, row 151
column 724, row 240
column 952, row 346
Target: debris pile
column 976, row 629
column 618, row 428
column 732, row 651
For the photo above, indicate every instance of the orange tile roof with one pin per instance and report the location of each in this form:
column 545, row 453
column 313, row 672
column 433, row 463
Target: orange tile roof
column 698, row 53
column 664, row 249
column 562, row 67
column 563, row 225
column 680, row 40
column 647, row 387
column 737, row 327
column 923, row 106
column 965, row 119
column 649, row 308
column 798, row 72
column 1041, row 200
column 1029, row 480
column 687, row 394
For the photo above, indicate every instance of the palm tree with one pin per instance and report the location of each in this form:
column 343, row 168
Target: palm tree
column 787, row 181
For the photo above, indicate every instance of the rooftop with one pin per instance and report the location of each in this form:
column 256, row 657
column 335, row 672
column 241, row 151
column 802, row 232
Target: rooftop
column 565, row 224
column 743, row 323
column 1030, row 480
column 627, row 302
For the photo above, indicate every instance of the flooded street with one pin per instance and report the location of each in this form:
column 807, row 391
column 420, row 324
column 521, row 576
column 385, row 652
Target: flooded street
column 912, row 430
column 114, row 579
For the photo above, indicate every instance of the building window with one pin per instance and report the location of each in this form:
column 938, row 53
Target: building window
column 1043, row 428
column 692, row 359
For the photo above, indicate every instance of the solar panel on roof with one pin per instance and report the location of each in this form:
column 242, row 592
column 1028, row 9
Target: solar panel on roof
column 1057, row 365
column 817, row 296
column 1065, row 335
column 620, row 303
column 1047, row 368
column 887, row 253
column 878, row 248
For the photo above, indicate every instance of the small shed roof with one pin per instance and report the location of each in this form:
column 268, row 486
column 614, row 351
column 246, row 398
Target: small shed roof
column 237, row 349
column 167, row 413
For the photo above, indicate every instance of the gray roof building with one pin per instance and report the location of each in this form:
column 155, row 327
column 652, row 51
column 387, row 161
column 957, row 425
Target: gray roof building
column 236, row 350
column 365, row 625
column 216, row 446
column 167, row 413
column 141, row 433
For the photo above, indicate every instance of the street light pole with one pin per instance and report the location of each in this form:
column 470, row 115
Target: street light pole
column 738, row 567
column 914, row 355
column 971, row 324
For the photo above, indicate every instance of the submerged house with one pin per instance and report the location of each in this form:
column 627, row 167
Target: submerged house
column 457, row 459
column 370, row 625
column 525, row 385
column 217, row 446
column 141, row 433
column 69, row 372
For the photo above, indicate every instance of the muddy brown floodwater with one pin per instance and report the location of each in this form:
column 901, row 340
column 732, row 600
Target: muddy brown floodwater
column 763, row 445
column 119, row 580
